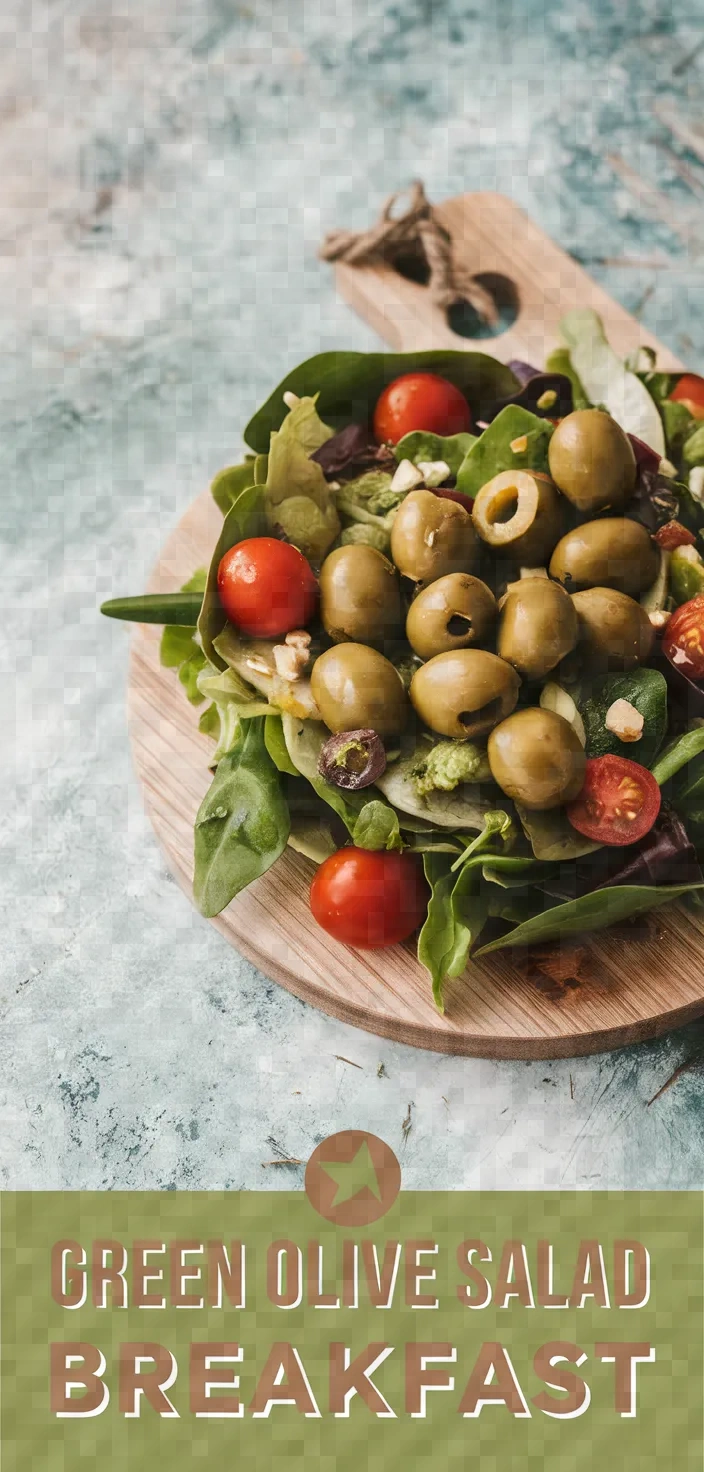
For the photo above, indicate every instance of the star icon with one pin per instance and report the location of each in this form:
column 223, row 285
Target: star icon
column 353, row 1176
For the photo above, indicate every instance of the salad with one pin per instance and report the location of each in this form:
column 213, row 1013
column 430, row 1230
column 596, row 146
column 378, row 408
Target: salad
column 450, row 646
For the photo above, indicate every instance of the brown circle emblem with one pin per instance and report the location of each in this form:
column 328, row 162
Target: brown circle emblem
column 352, row 1178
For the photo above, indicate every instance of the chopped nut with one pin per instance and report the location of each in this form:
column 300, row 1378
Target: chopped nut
column 434, row 472
column 299, row 639
column 520, row 444
column 259, row 666
column 407, row 477
column 624, row 720
column 290, row 660
column 291, row 399
column 547, row 399
column 659, row 618
column 667, row 468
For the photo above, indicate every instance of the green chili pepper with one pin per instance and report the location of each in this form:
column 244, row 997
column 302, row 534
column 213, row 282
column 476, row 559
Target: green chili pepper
column 156, row 608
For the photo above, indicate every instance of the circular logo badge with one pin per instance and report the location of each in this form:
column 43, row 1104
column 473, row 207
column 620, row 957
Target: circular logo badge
column 352, row 1178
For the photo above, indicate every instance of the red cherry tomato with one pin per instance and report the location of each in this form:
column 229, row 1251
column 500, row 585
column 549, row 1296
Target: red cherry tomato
column 689, row 390
column 369, row 899
column 619, row 801
column 420, row 401
column 683, row 639
column 267, row 587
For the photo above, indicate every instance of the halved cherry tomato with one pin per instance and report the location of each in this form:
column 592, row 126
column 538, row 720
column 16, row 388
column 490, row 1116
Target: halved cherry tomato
column 674, row 534
column 683, row 640
column 369, row 899
column 689, row 390
column 267, row 587
column 420, row 401
column 619, row 801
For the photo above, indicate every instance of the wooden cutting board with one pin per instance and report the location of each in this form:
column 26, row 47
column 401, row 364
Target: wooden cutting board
column 630, row 989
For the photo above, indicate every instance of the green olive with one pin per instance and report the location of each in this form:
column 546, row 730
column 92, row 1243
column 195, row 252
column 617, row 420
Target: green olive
column 592, row 461
column 431, row 536
column 538, row 627
column 612, row 552
column 355, row 687
column 537, row 758
column 464, row 693
column 615, row 633
column 520, row 514
column 453, row 613
column 360, row 598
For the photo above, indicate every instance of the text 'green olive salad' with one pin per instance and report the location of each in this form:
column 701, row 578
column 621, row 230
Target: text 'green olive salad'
column 451, row 646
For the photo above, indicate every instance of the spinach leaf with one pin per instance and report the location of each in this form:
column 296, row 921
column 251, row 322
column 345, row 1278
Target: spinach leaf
column 551, row 835
column 458, row 904
column 276, row 745
column 246, row 518
column 421, row 445
column 233, row 701
column 678, row 424
column 377, row 827
column 228, row 484
column 677, row 754
column 349, row 384
column 646, row 690
column 594, row 911
column 693, row 448
column 498, row 825
column 492, row 451
column 242, row 824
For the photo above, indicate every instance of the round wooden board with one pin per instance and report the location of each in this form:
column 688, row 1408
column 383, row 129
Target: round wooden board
column 631, row 990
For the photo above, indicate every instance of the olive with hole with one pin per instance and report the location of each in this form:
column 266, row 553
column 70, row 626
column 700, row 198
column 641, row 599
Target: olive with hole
column 592, row 461
column 520, row 515
column 431, row 537
column 452, row 613
column 537, row 758
column 464, row 693
column 355, row 687
column 615, row 633
column 613, row 552
column 360, row 597
column 537, row 628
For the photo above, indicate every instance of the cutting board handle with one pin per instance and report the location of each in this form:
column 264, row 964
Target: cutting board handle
column 492, row 236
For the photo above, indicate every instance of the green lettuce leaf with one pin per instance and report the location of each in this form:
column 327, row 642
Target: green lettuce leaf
column 179, row 648
column 458, row 904
column 492, row 452
column 377, row 827
column 298, row 502
column 559, row 361
column 608, row 381
column 229, row 483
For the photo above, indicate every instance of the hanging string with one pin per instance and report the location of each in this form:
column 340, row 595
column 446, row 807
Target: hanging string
column 416, row 238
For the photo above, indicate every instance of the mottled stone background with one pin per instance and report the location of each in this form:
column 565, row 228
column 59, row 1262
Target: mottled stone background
column 166, row 172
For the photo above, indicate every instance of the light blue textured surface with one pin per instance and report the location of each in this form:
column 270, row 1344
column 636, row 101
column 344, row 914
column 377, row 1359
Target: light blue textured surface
column 167, row 173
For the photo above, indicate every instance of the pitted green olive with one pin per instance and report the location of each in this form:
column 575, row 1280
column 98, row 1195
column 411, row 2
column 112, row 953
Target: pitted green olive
column 453, row 613
column 520, row 515
column 464, row 693
column 360, row 598
column 537, row 758
column 355, row 686
column 610, row 553
column 431, row 537
column 592, row 461
column 538, row 627
column 615, row 633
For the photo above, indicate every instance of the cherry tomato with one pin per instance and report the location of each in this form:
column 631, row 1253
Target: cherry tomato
column 267, row 587
column 683, row 640
column 420, row 401
column 674, row 534
column 619, row 801
column 689, row 390
column 369, row 899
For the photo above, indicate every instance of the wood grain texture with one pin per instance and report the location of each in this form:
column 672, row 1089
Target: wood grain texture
column 631, row 989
